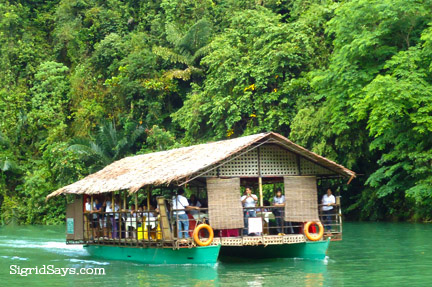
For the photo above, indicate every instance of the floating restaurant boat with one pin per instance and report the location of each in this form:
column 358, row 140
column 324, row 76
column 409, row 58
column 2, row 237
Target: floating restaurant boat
column 216, row 173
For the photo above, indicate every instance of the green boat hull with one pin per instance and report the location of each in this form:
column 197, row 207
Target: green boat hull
column 308, row 250
column 147, row 255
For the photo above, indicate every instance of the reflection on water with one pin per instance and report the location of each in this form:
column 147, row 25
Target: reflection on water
column 371, row 254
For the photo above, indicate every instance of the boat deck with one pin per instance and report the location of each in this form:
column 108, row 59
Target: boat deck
column 224, row 241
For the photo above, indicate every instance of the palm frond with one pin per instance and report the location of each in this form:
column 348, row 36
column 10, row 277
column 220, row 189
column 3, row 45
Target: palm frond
column 182, row 74
column 169, row 55
column 82, row 149
column 107, row 138
column 201, row 52
column 98, row 150
column 139, row 131
column 174, row 36
column 196, row 37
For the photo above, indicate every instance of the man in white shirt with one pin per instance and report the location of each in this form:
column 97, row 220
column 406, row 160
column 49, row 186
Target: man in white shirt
column 328, row 201
column 249, row 201
column 180, row 204
column 113, row 219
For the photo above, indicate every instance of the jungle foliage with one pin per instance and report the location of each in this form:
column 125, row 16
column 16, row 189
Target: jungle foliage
column 86, row 82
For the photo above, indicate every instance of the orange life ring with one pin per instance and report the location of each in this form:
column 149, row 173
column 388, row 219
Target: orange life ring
column 314, row 237
column 198, row 239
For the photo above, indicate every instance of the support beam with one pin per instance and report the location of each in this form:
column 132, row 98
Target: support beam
column 261, row 199
column 260, row 191
column 112, row 201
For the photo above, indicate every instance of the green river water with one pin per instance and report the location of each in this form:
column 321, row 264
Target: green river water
column 371, row 254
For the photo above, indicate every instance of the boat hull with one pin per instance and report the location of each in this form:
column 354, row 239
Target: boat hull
column 308, row 250
column 147, row 255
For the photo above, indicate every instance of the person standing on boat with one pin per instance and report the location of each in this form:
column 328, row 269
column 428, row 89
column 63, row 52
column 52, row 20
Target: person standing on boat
column 97, row 208
column 107, row 207
column 113, row 219
column 180, row 203
column 249, row 201
column 278, row 211
column 88, row 220
column 328, row 201
column 116, row 222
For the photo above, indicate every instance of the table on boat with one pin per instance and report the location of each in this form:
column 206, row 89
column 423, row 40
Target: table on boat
column 200, row 216
column 266, row 215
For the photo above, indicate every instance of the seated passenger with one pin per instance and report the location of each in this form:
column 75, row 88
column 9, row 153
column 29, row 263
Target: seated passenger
column 193, row 201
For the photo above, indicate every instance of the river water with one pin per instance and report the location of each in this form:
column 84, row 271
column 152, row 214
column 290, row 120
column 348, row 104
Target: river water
column 371, row 254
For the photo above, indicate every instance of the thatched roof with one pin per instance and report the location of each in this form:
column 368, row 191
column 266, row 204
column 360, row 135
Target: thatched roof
column 158, row 168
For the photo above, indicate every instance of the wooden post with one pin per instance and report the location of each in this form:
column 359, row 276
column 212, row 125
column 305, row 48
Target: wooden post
column 136, row 208
column 124, row 199
column 120, row 231
column 260, row 191
column 112, row 208
column 91, row 216
column 260, row 178
column 112, row 201
column 148, row 213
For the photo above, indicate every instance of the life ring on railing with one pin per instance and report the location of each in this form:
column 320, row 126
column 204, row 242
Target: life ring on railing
column 198, row 239
column 314, row 237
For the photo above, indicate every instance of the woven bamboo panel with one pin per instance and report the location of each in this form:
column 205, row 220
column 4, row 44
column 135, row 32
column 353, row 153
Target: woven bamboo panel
column 301, row 198
column 225, row 209
column 277, row 161
column 309, row 168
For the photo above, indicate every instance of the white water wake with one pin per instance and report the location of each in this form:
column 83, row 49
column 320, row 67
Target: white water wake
column 50, row 246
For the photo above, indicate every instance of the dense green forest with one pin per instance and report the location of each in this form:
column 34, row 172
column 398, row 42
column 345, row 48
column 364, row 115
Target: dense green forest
column 86, row 82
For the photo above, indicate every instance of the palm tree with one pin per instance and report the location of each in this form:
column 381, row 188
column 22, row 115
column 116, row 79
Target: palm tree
column 107, row 146
column 187, row 49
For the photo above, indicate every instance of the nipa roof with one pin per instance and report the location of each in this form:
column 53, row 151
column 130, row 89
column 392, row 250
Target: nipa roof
column 164, row 167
